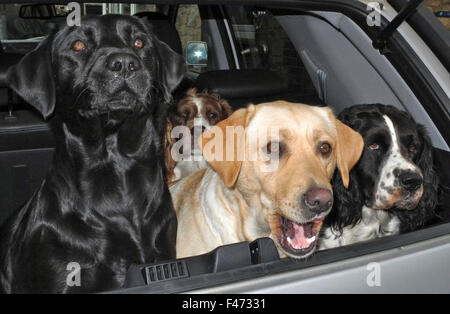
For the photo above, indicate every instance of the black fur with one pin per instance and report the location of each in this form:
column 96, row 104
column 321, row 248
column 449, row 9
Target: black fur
column 425, row 211
column 368, row 121
column 104, row 203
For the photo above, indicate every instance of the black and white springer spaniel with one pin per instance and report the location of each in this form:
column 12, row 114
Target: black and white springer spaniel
column 393, row 187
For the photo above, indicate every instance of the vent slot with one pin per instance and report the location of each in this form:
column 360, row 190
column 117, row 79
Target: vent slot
column 167, row 271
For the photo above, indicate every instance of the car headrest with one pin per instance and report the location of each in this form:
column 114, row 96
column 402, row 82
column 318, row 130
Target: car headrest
column 232, row 84
column 160, row 25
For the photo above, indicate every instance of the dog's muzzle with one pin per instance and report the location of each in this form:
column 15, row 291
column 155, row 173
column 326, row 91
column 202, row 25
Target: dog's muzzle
column 404, row 192
column 297, row 237
column 318, row 200
column 410, row 181
column 118, row 85
column 123, row 65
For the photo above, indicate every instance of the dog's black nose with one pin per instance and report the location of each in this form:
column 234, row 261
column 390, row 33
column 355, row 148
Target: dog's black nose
column 318, row 200
column 410, row 181
column 123, row 62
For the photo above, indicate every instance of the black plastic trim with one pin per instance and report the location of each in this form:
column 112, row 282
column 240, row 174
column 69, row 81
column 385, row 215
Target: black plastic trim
column 432, row 31
column 404, row 12
column 224, row 258
column 422, row 83
column 284, row 265
column 216, row 13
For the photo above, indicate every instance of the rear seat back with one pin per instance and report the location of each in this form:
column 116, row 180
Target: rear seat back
column 26, row 150
column 241, row 87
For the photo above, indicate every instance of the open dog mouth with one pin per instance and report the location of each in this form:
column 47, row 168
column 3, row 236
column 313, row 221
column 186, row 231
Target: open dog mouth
column 299, row 239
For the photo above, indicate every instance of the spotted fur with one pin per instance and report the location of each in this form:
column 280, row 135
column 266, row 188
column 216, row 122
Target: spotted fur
column 378, row 202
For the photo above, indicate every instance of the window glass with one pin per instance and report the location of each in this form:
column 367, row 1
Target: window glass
column 263, row 44
column 189, row 26
column 440, row 8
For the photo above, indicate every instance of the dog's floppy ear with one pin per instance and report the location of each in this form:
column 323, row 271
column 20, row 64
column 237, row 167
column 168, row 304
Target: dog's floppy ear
column 226, row 108
column 168, row 142
column 426, row 163
column 425, row 210
column 348, row 195
column 191, row 92
column 216, row 144
column 349, row 147
column 170, row 68
column 347, row 204
column 32, row 78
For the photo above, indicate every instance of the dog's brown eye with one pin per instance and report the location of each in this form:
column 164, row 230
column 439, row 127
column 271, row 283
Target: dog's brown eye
column 78, row 45
column 412, row 148
column 212, row 115
column 138, row 43
column 374, row 146
column 272, row 148
column 325, row 149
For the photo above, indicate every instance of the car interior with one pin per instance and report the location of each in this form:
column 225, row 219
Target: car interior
column 336, row 65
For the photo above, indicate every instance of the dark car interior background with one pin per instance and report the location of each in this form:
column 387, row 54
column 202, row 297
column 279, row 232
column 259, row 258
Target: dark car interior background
column 313, row 54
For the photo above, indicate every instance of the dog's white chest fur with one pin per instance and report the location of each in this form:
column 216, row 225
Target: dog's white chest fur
column 188, row 166
column 374, row 224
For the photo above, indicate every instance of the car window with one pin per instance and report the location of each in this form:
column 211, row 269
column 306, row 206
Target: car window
column 188, row 24
column 440, row 8
column 263, row 44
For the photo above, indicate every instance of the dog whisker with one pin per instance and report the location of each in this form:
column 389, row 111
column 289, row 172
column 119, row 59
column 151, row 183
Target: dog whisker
column 81, row 93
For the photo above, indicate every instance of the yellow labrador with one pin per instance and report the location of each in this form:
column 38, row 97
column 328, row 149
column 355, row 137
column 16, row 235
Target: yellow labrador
column 284, row 192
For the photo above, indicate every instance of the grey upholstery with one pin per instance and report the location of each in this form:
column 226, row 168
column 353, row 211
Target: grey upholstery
column 347, row 70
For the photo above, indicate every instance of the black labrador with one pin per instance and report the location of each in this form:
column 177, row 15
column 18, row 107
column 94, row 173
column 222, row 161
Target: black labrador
column 104, row 203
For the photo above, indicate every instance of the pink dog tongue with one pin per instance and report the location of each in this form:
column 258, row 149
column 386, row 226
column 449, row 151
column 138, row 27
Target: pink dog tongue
column 299, row 241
